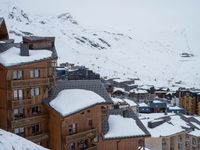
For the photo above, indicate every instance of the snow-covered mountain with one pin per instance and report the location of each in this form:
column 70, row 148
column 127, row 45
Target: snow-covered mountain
column 155, row 41
column 9, row 141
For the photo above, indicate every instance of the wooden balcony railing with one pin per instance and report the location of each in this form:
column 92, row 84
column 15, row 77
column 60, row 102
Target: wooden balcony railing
column 29, row 82
column 81, row 135
column 38, row 138
column 19, row 103
column 28, row 121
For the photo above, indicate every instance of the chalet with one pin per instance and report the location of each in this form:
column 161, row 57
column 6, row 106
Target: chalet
column 161, row 92
column 190, row 100
column 144, row 108
column 3, row 30
column 171, row 131
column 76, row 111
column 26, row 76
column 119, row 92
column 157, row 106
column 123, row 131
column 139, row 95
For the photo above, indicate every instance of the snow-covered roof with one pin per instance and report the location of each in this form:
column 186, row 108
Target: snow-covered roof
column 143, row 105
column 196, row 133
column 122, row 127
column 12, row 56
column 118, row 89
column 10, row 141
column 157, row 101
column 138, row 91
column 174, row 108
column 130, row 102
column 117, row 100
column 174, row 123
column 72, row 100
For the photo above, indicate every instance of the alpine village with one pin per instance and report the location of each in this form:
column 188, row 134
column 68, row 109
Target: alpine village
column 69, row 107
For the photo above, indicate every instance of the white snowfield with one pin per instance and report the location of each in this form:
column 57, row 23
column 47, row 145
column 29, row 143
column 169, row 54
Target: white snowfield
column 12, row 56
column 128, row 39
column 73, row 100
column 9, row 141
column 120, row 127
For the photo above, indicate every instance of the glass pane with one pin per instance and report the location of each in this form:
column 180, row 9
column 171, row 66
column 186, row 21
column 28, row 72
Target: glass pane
column 15, row 94
column 20, row 74
column 20, row 94
column 31, row 74
column 32, row 92
column 36, row 73
column 14, row 75
column 37, row 91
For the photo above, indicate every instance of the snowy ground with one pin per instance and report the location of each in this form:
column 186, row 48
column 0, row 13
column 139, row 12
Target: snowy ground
column 117, row 38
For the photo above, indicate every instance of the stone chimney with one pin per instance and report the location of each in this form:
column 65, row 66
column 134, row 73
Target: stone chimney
column 24, row 50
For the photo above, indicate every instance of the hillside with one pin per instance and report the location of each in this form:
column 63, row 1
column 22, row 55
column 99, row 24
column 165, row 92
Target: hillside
column 156, row 42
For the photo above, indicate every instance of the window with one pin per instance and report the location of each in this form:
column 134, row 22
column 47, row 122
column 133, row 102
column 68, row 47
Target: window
column 18, row 113
column 83, row 144
column 35, row 129
column 72, row 128
column 18, row 94
column 194, row 141
column 180, row 146
column 35, row 73
column 17, row 75
column 19, row 131
column 90, row 123
column 35, row 91
column 72, row 146
column 36, row 110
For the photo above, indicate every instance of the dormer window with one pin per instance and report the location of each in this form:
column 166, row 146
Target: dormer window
column 35, row 73
column 17, row 75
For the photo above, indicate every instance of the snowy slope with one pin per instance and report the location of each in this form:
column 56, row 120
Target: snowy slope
column 9, row 141
column 117, row 38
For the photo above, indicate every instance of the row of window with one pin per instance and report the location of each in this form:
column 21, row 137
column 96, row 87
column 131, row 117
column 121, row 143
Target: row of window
column 19, row 112
column 35, row 130
column 18, row 74
column 18, row 94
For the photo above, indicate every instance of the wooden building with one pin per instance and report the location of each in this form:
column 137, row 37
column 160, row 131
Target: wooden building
column 26, row 77
column 78, row 125
column 3, row 30
column 190, row 101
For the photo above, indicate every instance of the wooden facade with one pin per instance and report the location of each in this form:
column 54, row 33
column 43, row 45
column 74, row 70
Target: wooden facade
column 190, row 101
column 82, row 130
column 21, row 108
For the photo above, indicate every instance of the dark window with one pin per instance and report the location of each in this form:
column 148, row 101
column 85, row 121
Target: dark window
column 72, row 128
column 72, row 146
column 17, row 75
column 35, row 129
column 18, row 113
column 90, row 123
column 36, row 110
column 83, row 144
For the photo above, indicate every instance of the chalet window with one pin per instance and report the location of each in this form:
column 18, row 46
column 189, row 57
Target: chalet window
column 35, row 73
column 19, row 131
column 180, row 146
column 18, row 94
column 72, row 146
column 83, row 144
column 17, row 75
column 72, row 128
column 90, row 123
column 36, row 110
column 35, row 129
column 194, row 141
column 18, row 113
column 35, row 91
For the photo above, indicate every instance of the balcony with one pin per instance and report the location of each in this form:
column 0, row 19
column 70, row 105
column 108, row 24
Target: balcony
column 28, row 83
column 38, row 138
column 81, row 135
column 19, row 103
column 28, row 121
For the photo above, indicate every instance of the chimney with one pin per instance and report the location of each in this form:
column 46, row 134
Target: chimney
column 24, row 50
